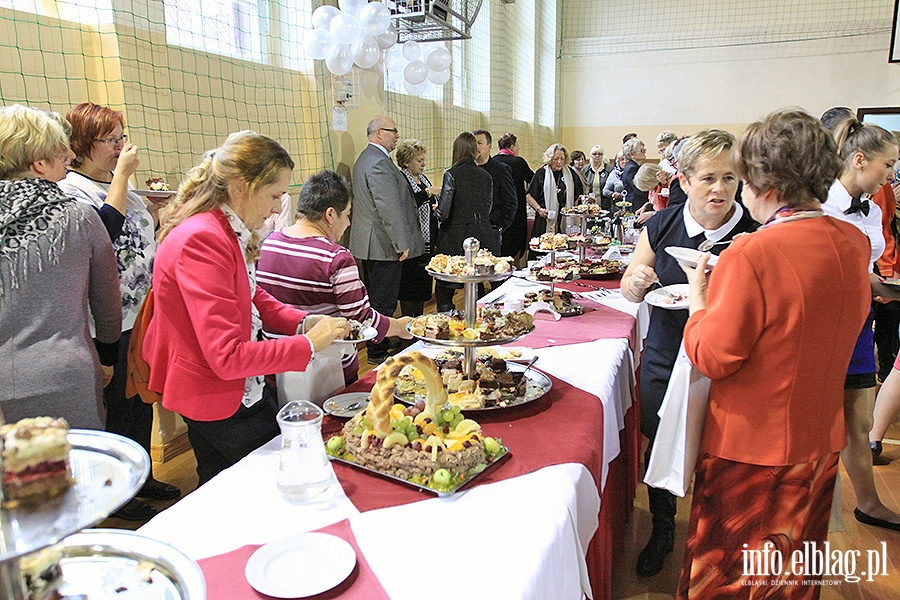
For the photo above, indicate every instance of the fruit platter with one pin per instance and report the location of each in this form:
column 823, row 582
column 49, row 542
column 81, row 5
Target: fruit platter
column 429, row 446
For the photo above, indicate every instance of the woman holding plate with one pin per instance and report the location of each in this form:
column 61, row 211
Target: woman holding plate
column 775, row 335
column 304, row 266
column 554, row 187
column 708, row 175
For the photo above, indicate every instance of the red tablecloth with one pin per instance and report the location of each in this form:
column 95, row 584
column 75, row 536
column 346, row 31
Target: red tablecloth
column 598, row 322
column 565, row 426
column 225, row 578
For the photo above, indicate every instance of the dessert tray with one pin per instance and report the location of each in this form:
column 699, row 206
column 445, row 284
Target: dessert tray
column 108, row 470
column 112, row 563
column 556, row 241
column 491, row 329
column 484, row 268
column 580, row 210
column 411, row 390
column 426, row 485
column 562, row 301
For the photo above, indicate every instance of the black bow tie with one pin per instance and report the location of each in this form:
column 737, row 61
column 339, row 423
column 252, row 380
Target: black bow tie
column 857, row 205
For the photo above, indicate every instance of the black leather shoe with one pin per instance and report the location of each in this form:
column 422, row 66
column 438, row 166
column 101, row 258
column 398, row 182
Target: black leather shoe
column 135, row 510
column 376, row 359
column 874, row 521
column 650, row 560
column 157, row 490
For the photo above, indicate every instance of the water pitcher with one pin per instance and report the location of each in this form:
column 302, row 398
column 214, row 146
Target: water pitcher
column 303, row 471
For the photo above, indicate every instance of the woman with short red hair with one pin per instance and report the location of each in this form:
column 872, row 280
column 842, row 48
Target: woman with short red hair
column 104, row 161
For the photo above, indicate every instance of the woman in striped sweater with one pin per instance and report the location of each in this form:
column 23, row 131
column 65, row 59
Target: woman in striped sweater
column 303, row 265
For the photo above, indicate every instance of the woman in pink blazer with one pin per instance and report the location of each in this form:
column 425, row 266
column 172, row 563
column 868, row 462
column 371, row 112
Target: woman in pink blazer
column 203, row 343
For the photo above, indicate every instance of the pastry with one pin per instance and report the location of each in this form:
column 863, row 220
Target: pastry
column 35, row 459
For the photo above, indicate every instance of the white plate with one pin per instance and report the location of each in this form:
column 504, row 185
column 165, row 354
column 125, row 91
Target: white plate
column 366, row 334
column 155, row 193
column 660, row 296
column 300, row 566
column 338, row 405
column 891, row 282
column 689, row 256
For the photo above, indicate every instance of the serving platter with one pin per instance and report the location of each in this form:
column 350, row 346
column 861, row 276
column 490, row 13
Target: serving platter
column 108, row 470
column 108, row 563
column 504, row 451
column 469, row 343
column 470, row 278
column 536, row 386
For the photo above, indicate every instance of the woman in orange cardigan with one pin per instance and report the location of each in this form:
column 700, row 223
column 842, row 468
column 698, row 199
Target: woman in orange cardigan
column 775, row 335
column 203, row 344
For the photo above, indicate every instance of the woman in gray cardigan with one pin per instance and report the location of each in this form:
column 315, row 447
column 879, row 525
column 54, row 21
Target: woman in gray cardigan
column 57, row 266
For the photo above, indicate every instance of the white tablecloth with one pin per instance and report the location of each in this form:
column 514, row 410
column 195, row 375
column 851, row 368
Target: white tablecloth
column 524, row 537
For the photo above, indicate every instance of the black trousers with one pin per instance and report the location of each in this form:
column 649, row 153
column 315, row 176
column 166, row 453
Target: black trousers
column 382, row 279
column 221, row 444
column 128, row 417
column 663, row 503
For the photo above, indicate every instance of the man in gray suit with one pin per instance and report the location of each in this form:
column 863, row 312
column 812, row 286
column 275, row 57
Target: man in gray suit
column 385, row 226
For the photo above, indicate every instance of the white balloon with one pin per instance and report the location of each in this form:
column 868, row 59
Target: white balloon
column 318, row 43
column 411, row 50
column 417, row 89
column 340, row 61
column 439, row 77
column 345, row 28
column 438, row 59
column 365, row 51
column 393, row 59
column 388, row 38
column 415, row 72
column 352, row 7
column 322, row 16
column 375, row 18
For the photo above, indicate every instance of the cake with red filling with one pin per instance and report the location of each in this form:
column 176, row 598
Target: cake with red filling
column 35, row 459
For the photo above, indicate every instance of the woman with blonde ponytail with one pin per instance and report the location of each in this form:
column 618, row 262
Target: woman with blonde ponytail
column 203, row 344
column 868, row 153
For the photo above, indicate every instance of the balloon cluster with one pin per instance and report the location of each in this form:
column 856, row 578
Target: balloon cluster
column 419, row 65
column 359, row 31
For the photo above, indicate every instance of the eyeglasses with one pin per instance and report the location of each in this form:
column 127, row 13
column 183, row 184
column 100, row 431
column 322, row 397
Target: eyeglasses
column 114, row 141
column 394, row 130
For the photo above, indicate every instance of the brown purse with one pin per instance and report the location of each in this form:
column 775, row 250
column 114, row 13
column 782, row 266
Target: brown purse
column 138, row 377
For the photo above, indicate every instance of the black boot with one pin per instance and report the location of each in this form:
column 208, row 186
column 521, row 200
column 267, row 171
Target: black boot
column 877, row 459
column 651, row 559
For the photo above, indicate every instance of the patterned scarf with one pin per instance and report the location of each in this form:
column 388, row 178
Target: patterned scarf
column 424, row 209
column 31, row 210
column 793, row 213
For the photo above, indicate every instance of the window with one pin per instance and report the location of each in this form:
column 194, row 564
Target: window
column 227, row 27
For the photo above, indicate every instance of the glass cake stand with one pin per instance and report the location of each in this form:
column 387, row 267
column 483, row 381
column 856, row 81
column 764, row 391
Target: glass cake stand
column 108, row 470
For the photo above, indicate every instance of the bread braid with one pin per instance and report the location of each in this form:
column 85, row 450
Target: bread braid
column 382, row 395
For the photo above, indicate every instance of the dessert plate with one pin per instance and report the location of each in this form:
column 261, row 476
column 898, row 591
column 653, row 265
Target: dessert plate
column 155, row 193
column 671, row 297
column 365, row 334
column 346, row 405
column 689, row 256
column 300, row 566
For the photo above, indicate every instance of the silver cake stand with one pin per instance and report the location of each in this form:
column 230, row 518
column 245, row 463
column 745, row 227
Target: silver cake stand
column 108, row 471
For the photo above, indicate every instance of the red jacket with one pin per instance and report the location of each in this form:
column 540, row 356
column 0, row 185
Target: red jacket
column 198, row 341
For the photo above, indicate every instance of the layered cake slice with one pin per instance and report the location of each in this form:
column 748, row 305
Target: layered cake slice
column 35, row 459
column 42, row 574
column 157, row 184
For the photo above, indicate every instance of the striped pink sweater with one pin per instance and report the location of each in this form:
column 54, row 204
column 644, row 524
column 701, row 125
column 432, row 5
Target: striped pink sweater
column 320, row 276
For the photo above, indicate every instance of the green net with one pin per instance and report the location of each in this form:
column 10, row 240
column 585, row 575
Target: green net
column 189, row 72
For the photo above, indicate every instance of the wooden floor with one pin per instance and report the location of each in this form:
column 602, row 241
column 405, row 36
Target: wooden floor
column 627, row 585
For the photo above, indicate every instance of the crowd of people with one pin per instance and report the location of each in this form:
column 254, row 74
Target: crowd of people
column 788, row 343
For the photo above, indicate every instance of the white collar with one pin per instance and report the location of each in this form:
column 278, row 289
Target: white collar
column 243, row 234
column 839, row 197
column 694, row 228
column 382, row 148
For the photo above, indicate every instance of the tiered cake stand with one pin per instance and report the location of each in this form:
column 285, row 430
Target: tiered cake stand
column 108, row 471
column 470, row 294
